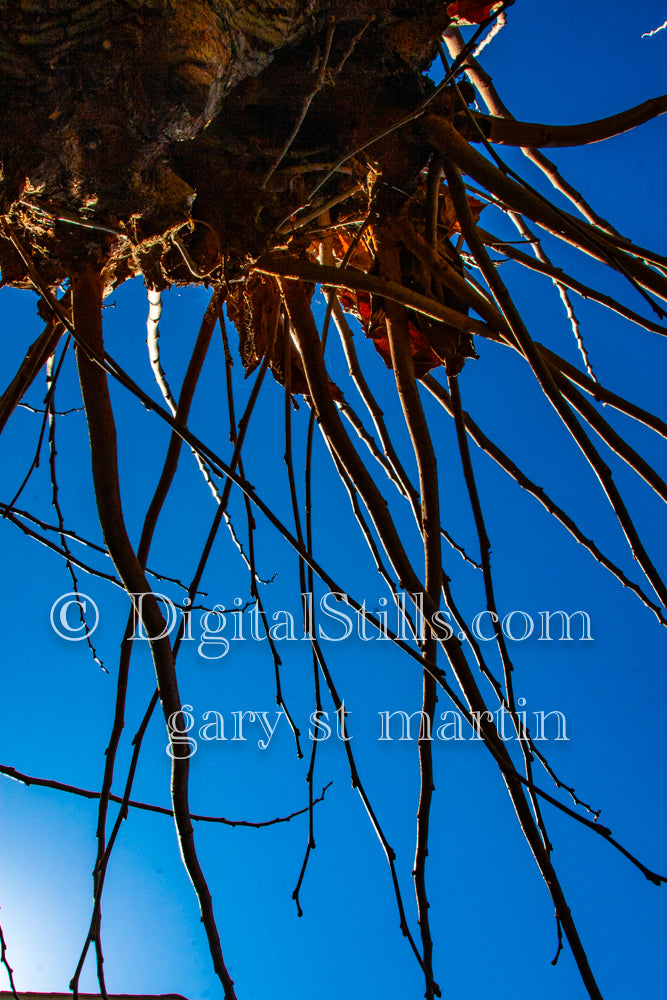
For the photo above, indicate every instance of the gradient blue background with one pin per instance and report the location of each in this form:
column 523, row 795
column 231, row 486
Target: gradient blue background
column 491, row 916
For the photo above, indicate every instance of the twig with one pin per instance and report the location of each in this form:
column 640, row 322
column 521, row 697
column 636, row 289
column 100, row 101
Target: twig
column 320, row 81
column 485, row 550
column 13, row 512
column 537, row 249
column 557, row 274
column 86, row 793
column 5, row 961
column 38, row 352
column 86, row 306
column 526, row 484
column 36, row 457
column 280, row 700
column 56, row 504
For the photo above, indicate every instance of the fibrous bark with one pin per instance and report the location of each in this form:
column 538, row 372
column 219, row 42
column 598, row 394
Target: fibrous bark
column 132, row 119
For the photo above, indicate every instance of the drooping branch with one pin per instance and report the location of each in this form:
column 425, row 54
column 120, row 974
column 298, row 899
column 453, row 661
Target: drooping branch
column 611, row 437
column 489, row 590
column 602, row 394
column 541, row 255
column 512, row 469
column 87, row 793
column 562, row 277
column 4, row 961
column 55, row 500
column 408, row 393
column 87, row 313
column 34, row 361
column 548, row 384
column 592, row 241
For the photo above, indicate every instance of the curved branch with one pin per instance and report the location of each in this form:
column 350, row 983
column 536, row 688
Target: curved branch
column 87, row 316
column 595, row 242
column 484, row 84
column 87, row 793
column 510, row 132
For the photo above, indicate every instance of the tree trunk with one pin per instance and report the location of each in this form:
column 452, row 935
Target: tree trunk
column 124, row 121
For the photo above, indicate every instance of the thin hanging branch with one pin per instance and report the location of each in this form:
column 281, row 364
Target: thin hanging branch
column 406, row 384
column 51, row 414
column 548, row 384
column 5, row 961
column 600, row 393
column 485, row 555
column 563, row 278
column 537, row 249
column 506, row 463
column 87, row 313
column 254, row 592
column 104, row 846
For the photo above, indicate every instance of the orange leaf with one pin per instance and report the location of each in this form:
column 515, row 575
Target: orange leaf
column 448, row 217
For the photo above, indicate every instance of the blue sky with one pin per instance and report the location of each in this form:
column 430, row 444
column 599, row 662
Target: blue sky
column 491, row 916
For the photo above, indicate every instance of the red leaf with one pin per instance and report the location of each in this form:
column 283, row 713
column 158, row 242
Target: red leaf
column 375, row 327
column 423, row 357
column 357, row 303
column 470, row 11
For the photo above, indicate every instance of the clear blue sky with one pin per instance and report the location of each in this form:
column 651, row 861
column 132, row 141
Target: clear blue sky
column 492, row 919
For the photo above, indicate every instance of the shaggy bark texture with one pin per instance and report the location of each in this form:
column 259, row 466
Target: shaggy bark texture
column 136, row 118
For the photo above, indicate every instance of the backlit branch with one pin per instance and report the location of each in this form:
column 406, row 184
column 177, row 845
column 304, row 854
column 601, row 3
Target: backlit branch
column 87, row 311
column 510, row 132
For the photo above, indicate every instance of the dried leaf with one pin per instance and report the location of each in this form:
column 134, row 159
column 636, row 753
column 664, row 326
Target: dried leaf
column 432, row 343
column 447, row 215
column 423, row 356
column 253, row 306
column 373, row 319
